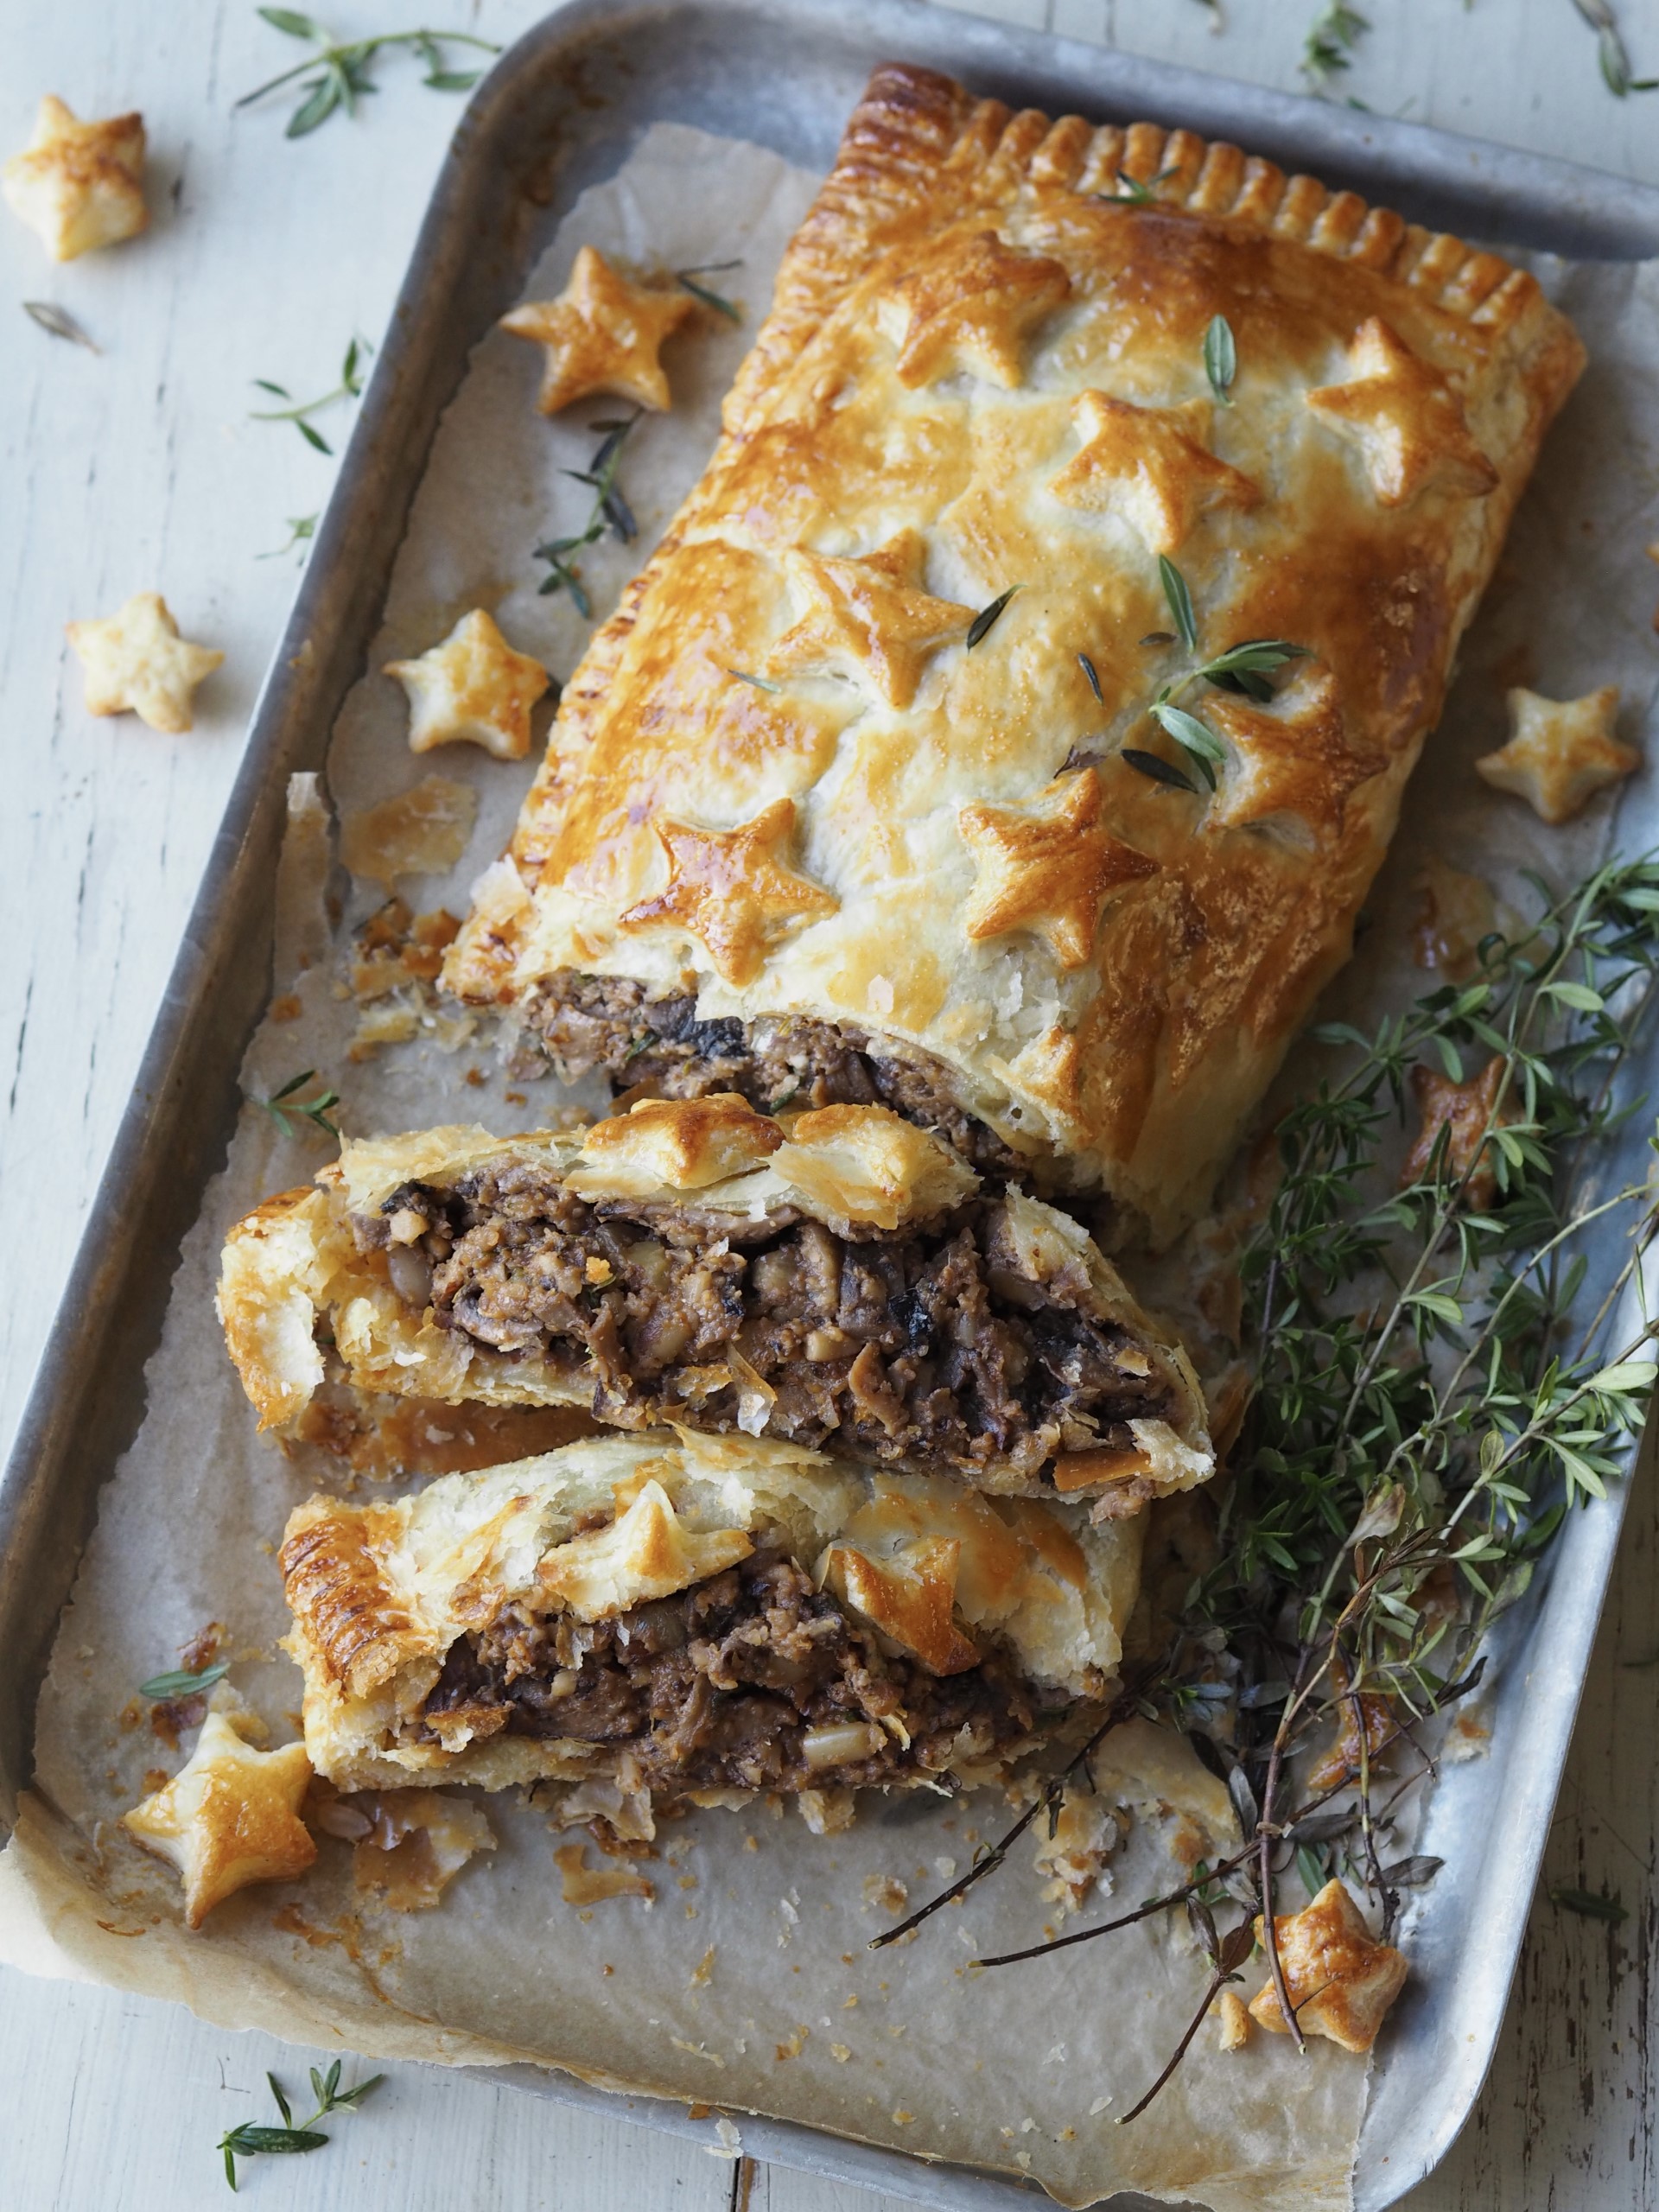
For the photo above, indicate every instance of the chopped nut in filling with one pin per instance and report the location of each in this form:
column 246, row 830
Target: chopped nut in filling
column 752, row 1679
column 934, row 1346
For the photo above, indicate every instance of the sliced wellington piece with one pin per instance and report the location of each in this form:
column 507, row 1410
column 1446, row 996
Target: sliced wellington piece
column 684, row 1618
column 897, row 774
column 840, row 1280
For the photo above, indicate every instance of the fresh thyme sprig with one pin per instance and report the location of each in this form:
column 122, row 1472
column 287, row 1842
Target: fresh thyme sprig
column 1243, row 669
column 1428, row 1403
column 1333, row 35
column 610, row 512
column 687, row 279
column 343, row 68
column 281, row 1103
column 248, row 2140
column 1610, row 50
column 299, row 413
column 301, row 531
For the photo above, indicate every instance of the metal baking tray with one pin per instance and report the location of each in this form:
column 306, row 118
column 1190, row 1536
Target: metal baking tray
column 560, row 111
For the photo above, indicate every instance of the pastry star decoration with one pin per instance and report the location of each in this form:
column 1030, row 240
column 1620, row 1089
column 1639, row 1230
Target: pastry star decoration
column 229, row 1817
column 136, row 663
column 1340, row 1980
column 731, row 889
column 1406, row 419
column 1049, row 869
column 602, row 334
column 79, row 185
column 972, row 307
column 1298, row 757
column 866, row 618
column 474, row 687
column 1561, row 753
column 1150, row 464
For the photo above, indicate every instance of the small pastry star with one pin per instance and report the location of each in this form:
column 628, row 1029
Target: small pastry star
column 1298, row 757
column 136, row 663
column 79, row 185
column 229, row 1817
column 1561, row 753
column 973, row 307
column 866, row 618
column 602, row 334
column 1406, row 419
column 731, row 889
column 1049, row 869
column 1340, row 1980
column 1146, row 463
column 1468, row 1112
column 473, row 687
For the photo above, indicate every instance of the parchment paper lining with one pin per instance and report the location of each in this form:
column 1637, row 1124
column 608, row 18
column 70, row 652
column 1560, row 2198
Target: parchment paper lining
column 1021, row 2072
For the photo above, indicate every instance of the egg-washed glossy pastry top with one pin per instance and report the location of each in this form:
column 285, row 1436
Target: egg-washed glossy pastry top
column 838, row 1280
column 692, row 1617
column 796, row 836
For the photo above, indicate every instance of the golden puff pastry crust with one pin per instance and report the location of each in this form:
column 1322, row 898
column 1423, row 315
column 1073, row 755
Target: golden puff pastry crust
column 447, row 1637
column 838, row 1279
column 785, row 794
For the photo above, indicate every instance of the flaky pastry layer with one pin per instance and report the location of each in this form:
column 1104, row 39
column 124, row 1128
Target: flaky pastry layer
column 937, row 1586
column 784, row 783
column 835, row 1279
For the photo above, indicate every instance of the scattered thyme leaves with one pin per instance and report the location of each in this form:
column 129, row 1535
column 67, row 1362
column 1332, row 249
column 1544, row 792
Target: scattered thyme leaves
column 250, row 2140
column 1588, row 1905
column 1087, row 668
column 985, row 621
column 1221, row 358
column 610, row 512
column 687, row 279
column 301, row 529
column 60, row 323
column 344, row 70
column 1333, row 35
column 1158, row 770
column 1136, row 192
column 162, row 1688
column 283, row 1103
column 1180, row 600
column 1610, row 51
column 299, row 413
column 760, row 683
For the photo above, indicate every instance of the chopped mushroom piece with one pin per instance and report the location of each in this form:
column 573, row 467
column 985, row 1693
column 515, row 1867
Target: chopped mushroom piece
column 1339, row 1978
column 79, row 185
column 1561, row 753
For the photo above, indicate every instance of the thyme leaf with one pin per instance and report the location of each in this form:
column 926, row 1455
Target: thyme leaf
column 60, row 322
column 301, row 529
column 985, row 621
column 162, row 1687
column 1136, row 192
column 1611, row 54
column 687, row 279
column 1328, row 49
column 1220, row 359
column 345, row 68
column 1588, row 1905
column 1180, row 601
column 1158, row 770
column 1087, row 668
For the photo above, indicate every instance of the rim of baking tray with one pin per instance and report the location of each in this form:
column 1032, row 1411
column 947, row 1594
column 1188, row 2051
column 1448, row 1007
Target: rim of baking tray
column 1445, row 179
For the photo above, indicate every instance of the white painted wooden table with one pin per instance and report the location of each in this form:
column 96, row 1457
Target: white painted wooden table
column 141, row 470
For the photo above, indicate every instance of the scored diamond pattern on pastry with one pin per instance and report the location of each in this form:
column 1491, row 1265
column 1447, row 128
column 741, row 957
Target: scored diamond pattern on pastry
column 1151, row 464
column 1298, row 757
column 1406, row 419
column 602, row 334
column 732, row 889
column 1049, row 867
column 1561, row 753
column 866, row 618
column 974, row 306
